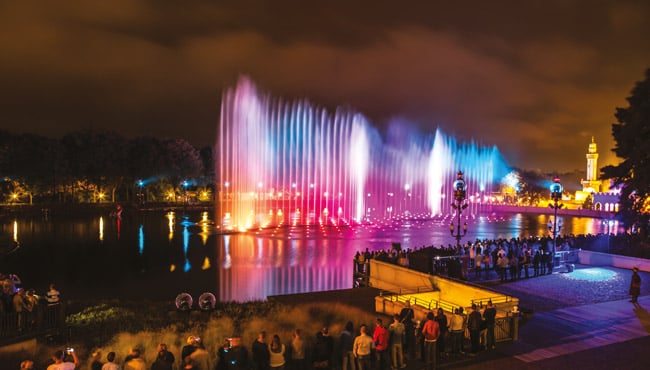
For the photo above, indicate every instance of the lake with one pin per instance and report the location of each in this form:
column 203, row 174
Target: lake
column 157, row 255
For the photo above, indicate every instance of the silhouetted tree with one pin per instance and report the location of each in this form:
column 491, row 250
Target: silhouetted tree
column 6, row 139
column 145, row 158
column 97, row 159
column 207, row 159
column 85, row 163
column 632, row 136
column 181, row 159
column 531, row 188
column 37, row 161
column 30, row 161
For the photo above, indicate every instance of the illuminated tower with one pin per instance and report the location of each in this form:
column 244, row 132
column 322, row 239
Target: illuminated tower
column 591, row 184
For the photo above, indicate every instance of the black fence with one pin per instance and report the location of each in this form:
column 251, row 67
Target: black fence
column 42, row 320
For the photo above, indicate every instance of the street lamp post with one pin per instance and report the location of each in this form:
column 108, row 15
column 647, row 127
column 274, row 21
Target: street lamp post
column 556, row 196
column 460, row 193
column 140, row 192
column 184, row 185
column 608, row 223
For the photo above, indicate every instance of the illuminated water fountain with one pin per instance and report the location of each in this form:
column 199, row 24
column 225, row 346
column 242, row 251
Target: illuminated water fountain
column 291, row 162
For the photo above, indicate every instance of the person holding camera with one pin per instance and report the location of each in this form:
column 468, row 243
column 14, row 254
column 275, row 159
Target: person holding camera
column 61, row 361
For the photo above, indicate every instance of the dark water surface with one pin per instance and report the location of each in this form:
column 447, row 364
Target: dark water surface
column 157, row 255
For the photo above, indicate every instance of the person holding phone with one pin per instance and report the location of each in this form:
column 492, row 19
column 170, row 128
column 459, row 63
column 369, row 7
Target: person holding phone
column 60, row 360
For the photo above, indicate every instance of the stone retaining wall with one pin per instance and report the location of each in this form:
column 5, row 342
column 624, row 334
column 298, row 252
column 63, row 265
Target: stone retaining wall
column 614, row 260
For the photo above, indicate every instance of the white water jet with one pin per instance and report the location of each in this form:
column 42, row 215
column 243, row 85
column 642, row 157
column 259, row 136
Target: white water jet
column 296, row 163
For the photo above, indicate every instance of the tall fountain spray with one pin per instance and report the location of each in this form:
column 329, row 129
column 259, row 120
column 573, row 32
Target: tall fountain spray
column 291, row 162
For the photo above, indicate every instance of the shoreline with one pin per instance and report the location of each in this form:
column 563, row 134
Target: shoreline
column 82, row 209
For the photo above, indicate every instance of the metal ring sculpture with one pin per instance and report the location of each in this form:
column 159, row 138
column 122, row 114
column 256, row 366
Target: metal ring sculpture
column 207, row 301
column 184, row 302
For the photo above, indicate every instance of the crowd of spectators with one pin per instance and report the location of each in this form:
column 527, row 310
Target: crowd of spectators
column 232, row 354
column 510, row 259
column 381, row 346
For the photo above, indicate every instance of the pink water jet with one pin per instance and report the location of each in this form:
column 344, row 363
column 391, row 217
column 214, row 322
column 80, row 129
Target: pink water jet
column 294, row 163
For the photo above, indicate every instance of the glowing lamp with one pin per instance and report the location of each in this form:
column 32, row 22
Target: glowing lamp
column 460, row 192
column 460, row 187
column 556, row 190
column 556, row 196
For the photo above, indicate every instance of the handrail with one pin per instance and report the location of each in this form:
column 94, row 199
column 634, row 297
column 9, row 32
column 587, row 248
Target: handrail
column 445, row 305
column 405, row 292
column 428, row 304
column 403, row 296
column 441, row 303
column 494, row 299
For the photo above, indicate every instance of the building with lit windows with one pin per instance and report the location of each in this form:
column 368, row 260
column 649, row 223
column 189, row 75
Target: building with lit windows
column 603, row 197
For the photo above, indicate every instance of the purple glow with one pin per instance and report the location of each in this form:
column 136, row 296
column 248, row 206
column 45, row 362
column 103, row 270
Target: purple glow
column 296, row 163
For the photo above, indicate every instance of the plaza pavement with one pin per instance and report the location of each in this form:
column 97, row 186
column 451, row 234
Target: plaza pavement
column 561, row 332
column 607, row 335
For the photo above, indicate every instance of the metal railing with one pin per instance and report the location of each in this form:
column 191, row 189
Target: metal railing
column 434, row 304
column 42, row 320
column 504, row 328
column 564, row 257
column 405, row 295
column 495, row 299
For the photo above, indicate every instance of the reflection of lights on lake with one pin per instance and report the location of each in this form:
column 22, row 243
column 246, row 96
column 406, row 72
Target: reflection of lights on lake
column 101, row 228
column 141, row 239
column 206, row 264
column 591, row 274
column 186, row 245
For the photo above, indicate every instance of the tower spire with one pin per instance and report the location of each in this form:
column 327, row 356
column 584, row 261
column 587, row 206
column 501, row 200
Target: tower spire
column 591, row 184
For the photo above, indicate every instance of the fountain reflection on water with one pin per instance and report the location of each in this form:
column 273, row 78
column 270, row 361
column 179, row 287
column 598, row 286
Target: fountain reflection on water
column 158, row 255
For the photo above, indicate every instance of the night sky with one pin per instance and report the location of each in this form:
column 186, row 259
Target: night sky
column 536, row 78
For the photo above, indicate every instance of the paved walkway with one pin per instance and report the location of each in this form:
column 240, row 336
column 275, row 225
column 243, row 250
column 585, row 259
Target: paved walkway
column 572, row 330
column 580, row 321
column 610, row 335
column 606, row 333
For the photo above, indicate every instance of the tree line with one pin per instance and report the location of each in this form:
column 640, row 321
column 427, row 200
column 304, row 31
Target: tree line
column 93, row 166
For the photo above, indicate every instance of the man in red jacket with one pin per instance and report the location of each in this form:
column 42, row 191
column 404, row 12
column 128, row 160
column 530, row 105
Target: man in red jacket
column 431, row 332
column 381, row 337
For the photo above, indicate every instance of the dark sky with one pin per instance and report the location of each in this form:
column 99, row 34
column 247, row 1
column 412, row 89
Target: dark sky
column 536, row 78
